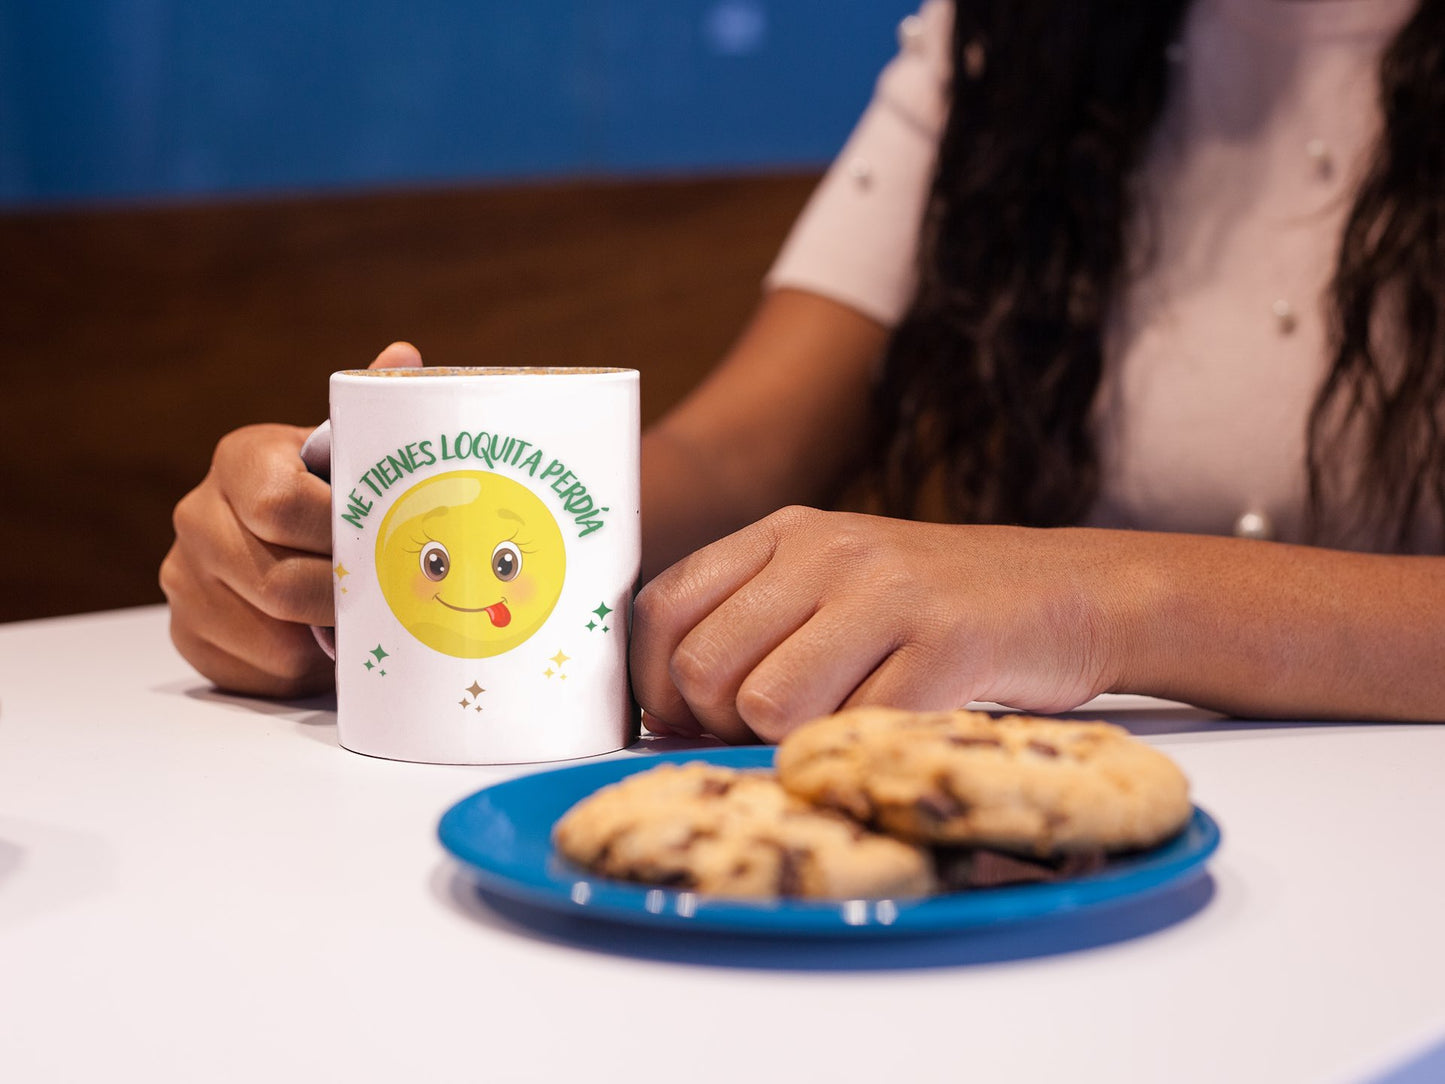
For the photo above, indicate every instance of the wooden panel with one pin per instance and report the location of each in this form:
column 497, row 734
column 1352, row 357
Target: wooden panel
column 133, row 338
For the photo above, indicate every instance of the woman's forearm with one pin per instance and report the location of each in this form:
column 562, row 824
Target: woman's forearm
column 1274, row 630
column 777, row 422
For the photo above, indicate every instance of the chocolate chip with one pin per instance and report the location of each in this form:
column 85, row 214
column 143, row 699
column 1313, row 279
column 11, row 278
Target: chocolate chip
column 791, row 863
column 981, row 867
column 790, row 871
column 857, row 804
column 968, row 742
column 940, row 806
column 716, row 788
column 1078, row 863
column 1043, row 749
column 604, row 852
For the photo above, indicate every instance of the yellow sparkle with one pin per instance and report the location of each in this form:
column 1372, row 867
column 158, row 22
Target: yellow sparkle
column 341, row 572
column 560, row 658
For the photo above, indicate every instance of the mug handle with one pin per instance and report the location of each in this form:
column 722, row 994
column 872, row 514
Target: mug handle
column 316, row 454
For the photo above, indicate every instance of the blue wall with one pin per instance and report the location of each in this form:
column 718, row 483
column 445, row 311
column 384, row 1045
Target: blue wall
column 160, row 98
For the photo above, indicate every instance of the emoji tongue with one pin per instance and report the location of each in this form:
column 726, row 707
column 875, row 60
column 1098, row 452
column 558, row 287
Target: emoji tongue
column 500, row 615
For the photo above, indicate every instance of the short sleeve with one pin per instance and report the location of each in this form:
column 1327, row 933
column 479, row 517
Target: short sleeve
column 856, row 241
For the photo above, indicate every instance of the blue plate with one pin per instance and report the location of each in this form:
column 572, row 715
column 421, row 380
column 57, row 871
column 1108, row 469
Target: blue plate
column 503, row 836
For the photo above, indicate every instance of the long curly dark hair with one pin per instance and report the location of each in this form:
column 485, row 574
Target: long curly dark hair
column 989, row 379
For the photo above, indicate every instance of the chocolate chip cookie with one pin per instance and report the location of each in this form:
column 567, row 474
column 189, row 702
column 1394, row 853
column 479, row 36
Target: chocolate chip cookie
column 734, row 833
column 1032, row 786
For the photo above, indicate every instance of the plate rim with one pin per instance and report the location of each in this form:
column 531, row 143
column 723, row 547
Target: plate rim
column 606, row 899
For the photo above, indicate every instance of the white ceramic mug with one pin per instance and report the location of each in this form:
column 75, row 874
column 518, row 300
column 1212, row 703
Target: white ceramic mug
column 485, row 551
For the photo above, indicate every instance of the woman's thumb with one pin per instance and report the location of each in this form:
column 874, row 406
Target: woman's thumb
column 398, row 356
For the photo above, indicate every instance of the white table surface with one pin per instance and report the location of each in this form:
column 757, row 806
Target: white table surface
column 197, row 887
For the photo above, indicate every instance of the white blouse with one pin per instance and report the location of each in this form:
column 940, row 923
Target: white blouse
column 1216, row 348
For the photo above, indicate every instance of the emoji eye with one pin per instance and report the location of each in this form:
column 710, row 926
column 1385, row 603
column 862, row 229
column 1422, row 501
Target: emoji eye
column 506, row 561
column 436, row 562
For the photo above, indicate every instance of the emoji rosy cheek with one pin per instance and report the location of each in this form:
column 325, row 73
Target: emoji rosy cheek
column 521, row 590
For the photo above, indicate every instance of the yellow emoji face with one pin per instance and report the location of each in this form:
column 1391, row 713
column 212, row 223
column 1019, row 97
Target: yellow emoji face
column 471, row 563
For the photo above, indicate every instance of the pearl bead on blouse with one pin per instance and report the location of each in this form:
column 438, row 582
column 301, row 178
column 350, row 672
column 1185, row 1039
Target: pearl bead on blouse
column 1284, row 316
column 910, row 32
column 1255, row 525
